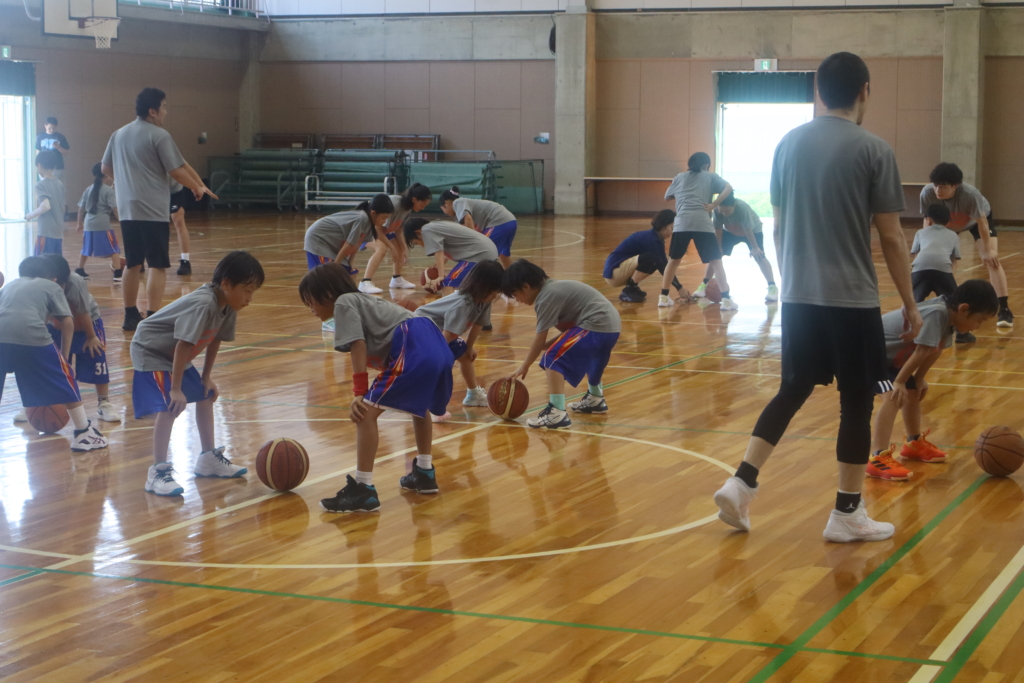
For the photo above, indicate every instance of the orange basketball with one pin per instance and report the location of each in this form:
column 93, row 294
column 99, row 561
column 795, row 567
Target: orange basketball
column 1, row 279
column 282, row 464
column 999, row 451
column 508, row 398
column 430, row 273
column 48, row 419
column 714, row 292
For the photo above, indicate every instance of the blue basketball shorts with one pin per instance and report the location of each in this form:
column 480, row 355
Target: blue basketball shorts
column 418, row 374
column 502, row 236
column 88, row 369
column 47, row 245
column 312, row 260
column 44, row 378
column 100, row 243
column 457, row 274
column 151, row 391
column 577, row 353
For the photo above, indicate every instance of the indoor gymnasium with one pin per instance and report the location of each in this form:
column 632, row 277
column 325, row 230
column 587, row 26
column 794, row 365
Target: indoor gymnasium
column 511, row 340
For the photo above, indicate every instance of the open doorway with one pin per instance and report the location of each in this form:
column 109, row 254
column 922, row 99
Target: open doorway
column 16, row 175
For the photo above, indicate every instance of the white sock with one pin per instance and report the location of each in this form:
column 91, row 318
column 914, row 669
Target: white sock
column 364, row 478
column 425, row 461
column 184, row 257
column 79, row 418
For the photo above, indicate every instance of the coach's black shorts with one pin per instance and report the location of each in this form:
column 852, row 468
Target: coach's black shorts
column 146, row 241
column 179, row 198
column 706, row 242
column 927, row 281
column 730, row 240
column 822, row 343
column 991, row 228
column 893, row 374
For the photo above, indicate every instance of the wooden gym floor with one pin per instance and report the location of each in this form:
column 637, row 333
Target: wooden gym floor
column 590, row 554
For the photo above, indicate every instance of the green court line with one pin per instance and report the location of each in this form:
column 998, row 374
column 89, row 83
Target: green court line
column 966, row 651
column 800, row 643
column 461, row 613
column 29, row 575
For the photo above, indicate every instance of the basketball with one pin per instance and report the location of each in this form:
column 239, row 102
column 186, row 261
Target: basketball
column 1, row 279
column 999, row 451
column 430, row 273
column 508, row 398
column 282, row 464
column 714, row 292
column 48, row 419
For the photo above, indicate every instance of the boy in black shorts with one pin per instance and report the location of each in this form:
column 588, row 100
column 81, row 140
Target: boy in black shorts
column 737, row 223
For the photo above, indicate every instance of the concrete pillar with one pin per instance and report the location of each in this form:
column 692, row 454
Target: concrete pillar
column 249, row 93
column 575, row 107
column 963, row 91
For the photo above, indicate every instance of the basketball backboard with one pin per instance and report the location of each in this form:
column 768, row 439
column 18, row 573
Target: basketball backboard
column 71, row 17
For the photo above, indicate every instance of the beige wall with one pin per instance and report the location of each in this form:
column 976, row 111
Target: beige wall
column 654, row 113
column 1003, row 150
column 93, row 93
column 485, row 105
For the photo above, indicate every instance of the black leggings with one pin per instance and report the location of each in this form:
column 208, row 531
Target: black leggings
column 647, row 263
column 854, row 444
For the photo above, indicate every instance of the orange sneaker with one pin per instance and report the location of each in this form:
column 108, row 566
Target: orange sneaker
column 922, row 450
column 882, row 466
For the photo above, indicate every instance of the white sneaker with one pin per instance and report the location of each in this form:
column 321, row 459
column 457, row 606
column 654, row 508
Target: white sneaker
column 772, row 295
column 733, row 501
column 107, row 412
column 400, row 283
column 589, row 404
column 214, row 464
column 844, row 527
column 89, row 440
column 551, row 417
column 21, row 417
column 700, row 292
column 475, row 398
column 664, row 301
column 328, row 326
column 367, row 287
column 728, row 305
column 160, row 480
column 440, row 418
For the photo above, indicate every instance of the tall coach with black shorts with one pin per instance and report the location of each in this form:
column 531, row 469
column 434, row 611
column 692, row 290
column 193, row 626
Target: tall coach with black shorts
column 831, row 180
column 140, row 157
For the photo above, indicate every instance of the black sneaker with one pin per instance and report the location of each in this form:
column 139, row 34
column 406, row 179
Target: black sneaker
column 1005, row 318
column 965, row 338
column 633, row 295
column 131, row 320
column 185, row 268
column 355, row 497
column 117, row 274
column 81, row 272
column 420, row 480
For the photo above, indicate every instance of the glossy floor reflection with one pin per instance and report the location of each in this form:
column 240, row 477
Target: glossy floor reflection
column 592, row 554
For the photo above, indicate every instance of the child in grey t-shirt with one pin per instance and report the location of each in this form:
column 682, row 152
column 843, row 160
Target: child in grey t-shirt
column 49, row 211
column 95, row 209
column 938, row 249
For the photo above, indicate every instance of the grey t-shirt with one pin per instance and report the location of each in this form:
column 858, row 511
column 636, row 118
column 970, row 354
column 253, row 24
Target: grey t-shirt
column 105, row 205
column 936, row 331
column 194, row 318
column 567, row 303
column 325, row 237
column 743, row 217
column 455, row 313
column 79, row 298
column 829, row 177
column 25, row 305
column 51, row 223
column 486, row 214
column 397, row 216
column 142, row 154
column 966, row 205
column 361, row 316
column 936, row 246
column 458, row 242
column 692, row 191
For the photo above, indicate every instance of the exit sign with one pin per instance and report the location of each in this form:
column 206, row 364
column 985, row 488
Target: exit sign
column 766, row 65
column 5, row 51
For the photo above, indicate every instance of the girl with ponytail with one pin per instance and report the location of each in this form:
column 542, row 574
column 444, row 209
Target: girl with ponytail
column 414, row 199
column 95, row 209
column 490, row 218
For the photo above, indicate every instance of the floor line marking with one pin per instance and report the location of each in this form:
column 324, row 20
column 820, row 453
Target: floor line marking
column 971, row 618
column 15, row 579
column 828, row 617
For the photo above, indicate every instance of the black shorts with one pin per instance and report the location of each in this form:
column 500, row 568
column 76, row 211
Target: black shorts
column 179, row 198
column 822, row 343
column 730, row 240
column 893, row 374
column 706, row 242
column 927, row 281
column 991, row 228
column 146, row 241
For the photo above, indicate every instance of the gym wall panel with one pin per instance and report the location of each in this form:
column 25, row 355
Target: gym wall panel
column 1003, row 137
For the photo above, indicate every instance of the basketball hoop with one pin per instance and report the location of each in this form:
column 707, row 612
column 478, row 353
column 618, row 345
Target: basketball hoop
column 103, row 29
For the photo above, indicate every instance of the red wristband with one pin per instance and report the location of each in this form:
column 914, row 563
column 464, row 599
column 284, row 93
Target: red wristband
column 360, row 383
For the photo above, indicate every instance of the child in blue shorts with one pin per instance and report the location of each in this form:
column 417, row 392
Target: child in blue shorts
column 490, row 218
column 447, row 240
column 89, row 341
column 95, row 209
column 589, row 326
column 415, row 364
column 165, row 382
column 41, row 369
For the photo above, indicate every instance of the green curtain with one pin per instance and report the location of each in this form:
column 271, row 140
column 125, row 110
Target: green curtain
column 17, row 78
column 776, row 87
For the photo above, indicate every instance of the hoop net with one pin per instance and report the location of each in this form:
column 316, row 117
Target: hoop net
column 103, row 29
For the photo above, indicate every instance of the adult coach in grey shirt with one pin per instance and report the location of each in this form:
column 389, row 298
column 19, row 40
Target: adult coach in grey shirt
column 830, row 180
column 139, row 158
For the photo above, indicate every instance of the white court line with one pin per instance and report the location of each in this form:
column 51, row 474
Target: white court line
column 982, row 265
column 970, row 620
